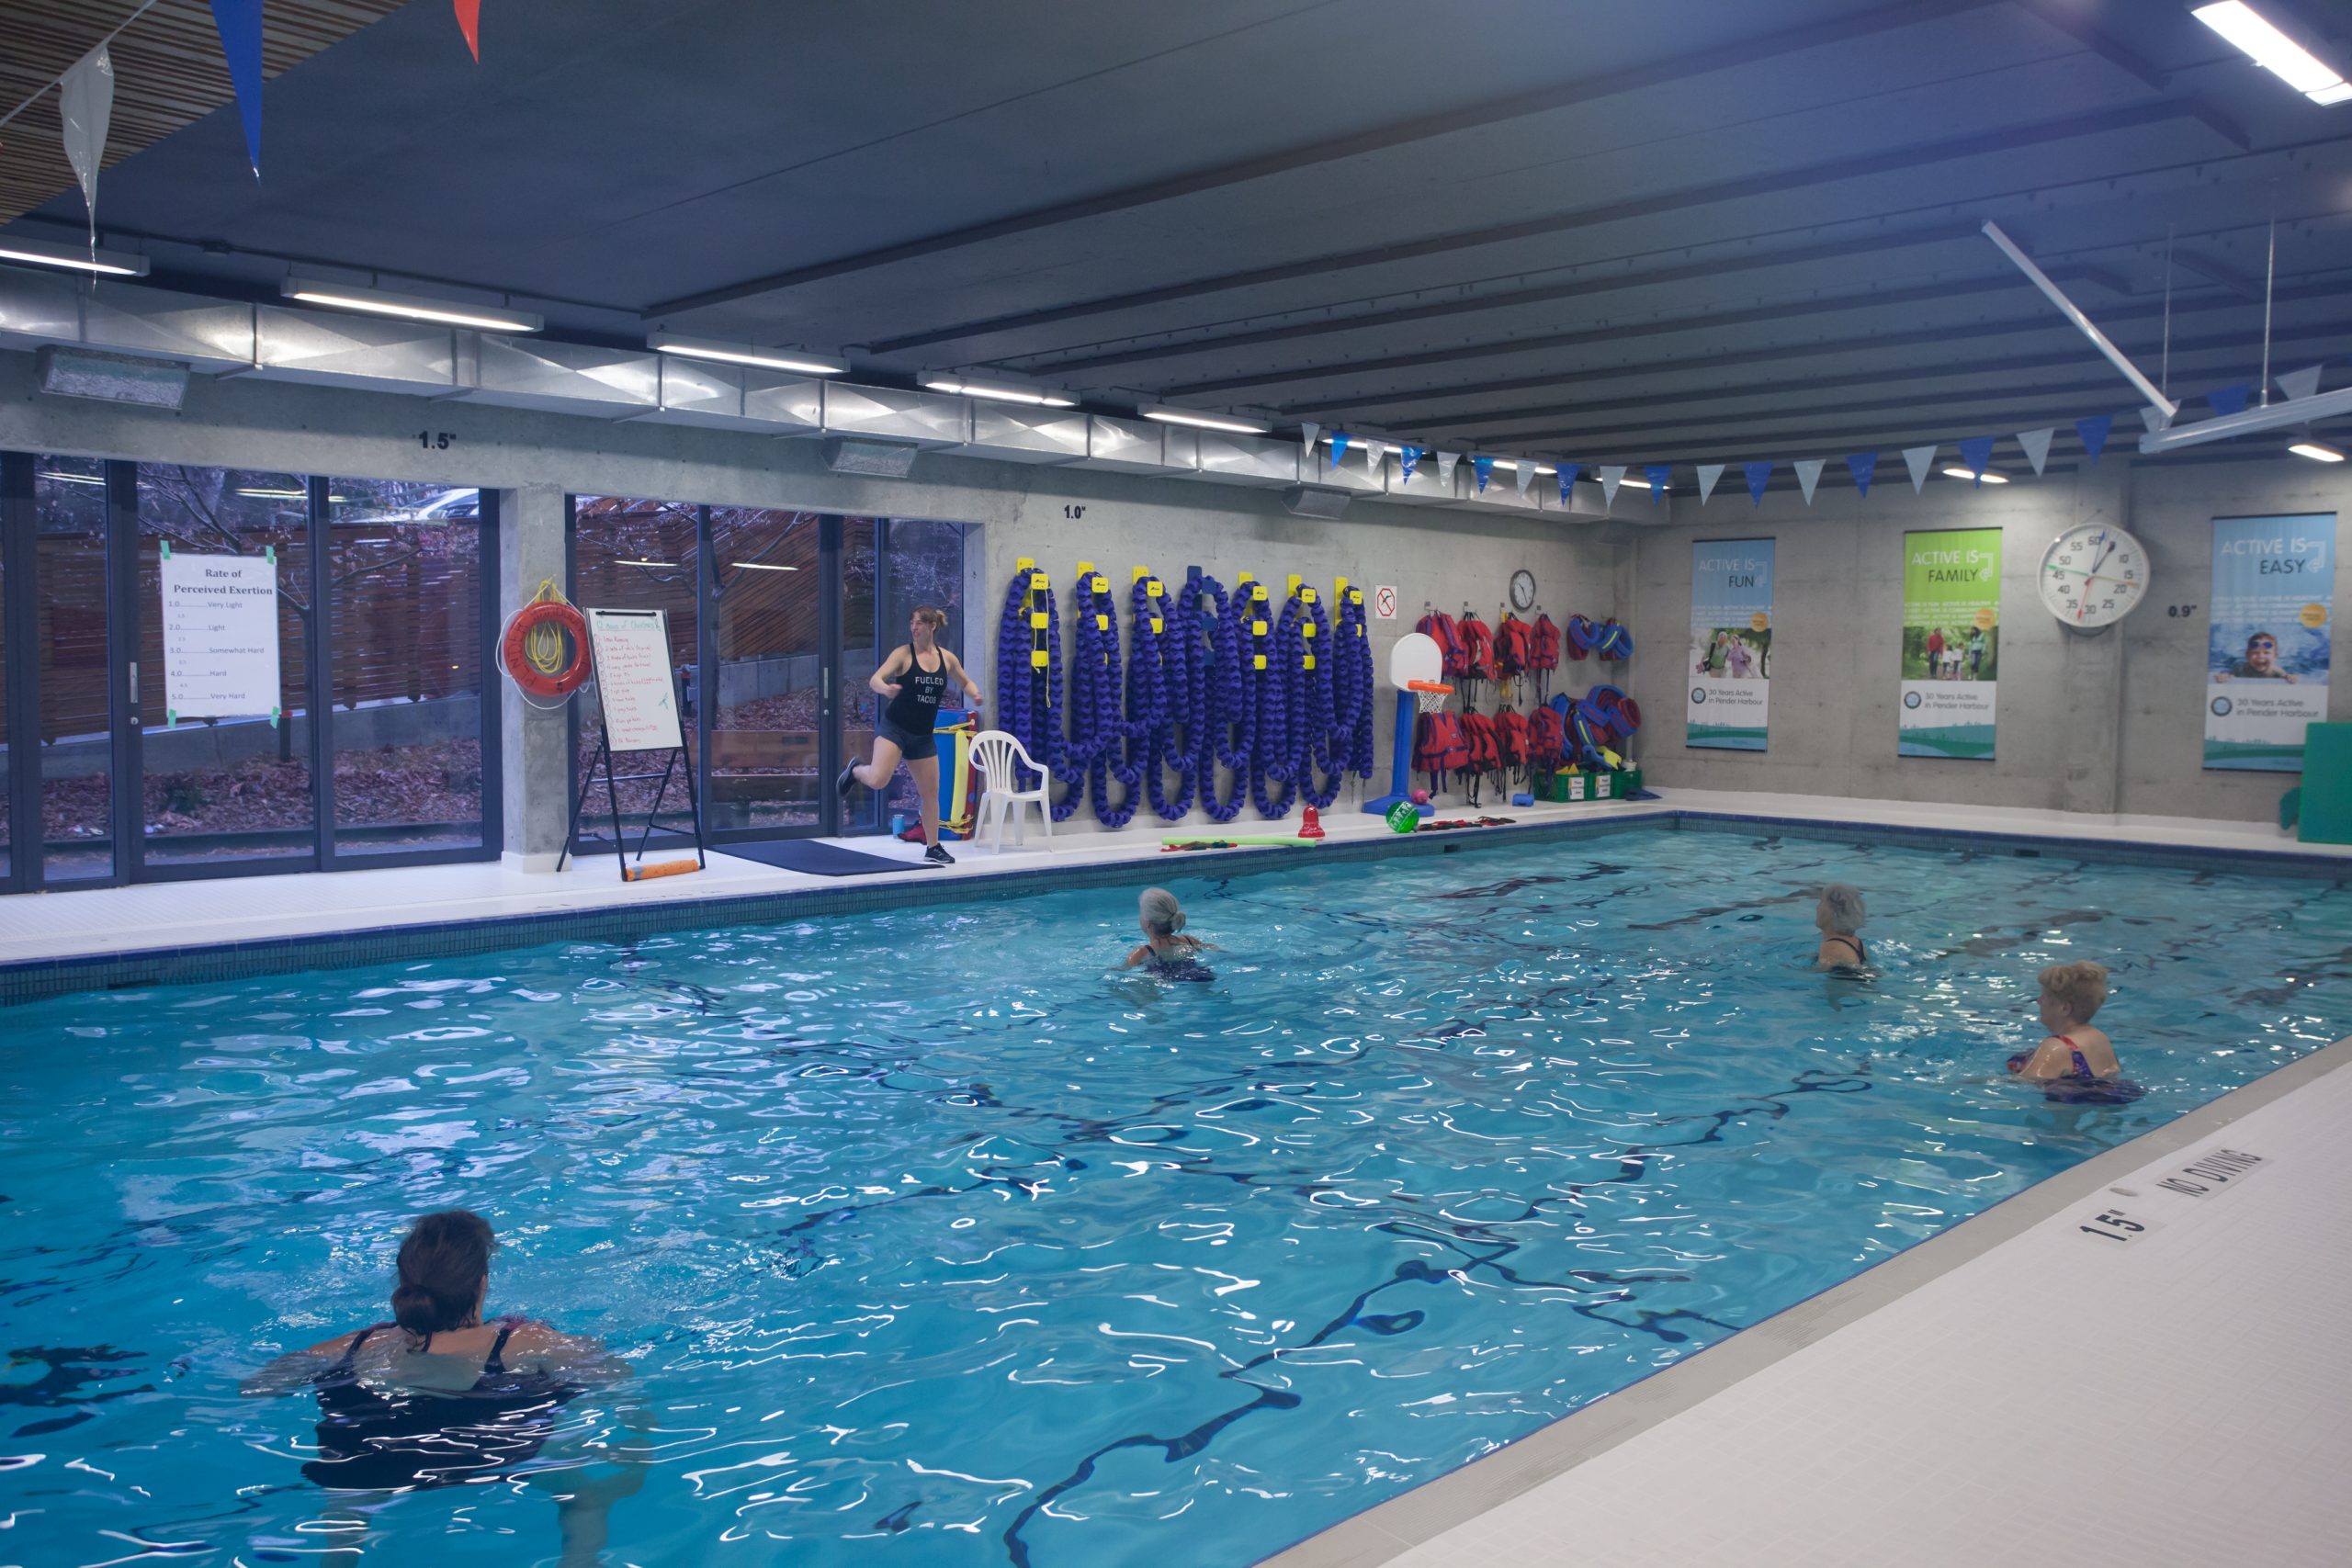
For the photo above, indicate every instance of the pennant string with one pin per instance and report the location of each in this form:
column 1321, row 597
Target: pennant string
column 42, row 91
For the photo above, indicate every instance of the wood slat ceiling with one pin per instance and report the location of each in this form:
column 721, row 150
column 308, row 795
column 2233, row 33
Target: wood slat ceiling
column 168, row 73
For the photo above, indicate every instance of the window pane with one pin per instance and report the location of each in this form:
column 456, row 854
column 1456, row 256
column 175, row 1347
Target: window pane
column 404, row 565
column 634, row 555
column 232, row 785
column 76, row 756
column 764, row 731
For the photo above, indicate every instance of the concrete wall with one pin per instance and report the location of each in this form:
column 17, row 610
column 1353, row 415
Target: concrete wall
column 2104, row 725
column 1444, row 556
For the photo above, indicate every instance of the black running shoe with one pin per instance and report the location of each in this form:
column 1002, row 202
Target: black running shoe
column 849, row 777
column 937, row 855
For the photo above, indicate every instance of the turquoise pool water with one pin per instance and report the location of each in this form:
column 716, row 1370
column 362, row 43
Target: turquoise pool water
column 934, row 1242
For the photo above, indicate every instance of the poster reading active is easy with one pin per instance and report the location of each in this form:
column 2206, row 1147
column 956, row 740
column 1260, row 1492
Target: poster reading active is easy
column 1951, row 642
column 2266, row 656
column 1731, row 644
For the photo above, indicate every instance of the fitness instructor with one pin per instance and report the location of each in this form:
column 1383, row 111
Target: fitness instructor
column 913, row 678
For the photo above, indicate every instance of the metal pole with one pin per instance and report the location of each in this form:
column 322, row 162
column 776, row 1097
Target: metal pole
column 2068, row 309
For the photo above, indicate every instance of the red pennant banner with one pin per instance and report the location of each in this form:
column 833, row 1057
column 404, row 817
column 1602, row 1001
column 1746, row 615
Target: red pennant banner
column 470, row 24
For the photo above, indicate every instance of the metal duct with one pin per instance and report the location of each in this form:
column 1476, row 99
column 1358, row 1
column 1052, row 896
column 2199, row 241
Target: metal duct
column 1249, row 459
column 1015, row 434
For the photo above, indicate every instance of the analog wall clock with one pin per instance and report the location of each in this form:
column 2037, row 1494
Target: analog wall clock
column 1522, row 590
column 2093, row 575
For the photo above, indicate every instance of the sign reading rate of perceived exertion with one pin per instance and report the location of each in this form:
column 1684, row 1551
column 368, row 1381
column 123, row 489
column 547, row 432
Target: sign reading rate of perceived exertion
column 2265, row 653
column 1951, row 642
column 220, row 636
column 1731, row 644
column 634, row 684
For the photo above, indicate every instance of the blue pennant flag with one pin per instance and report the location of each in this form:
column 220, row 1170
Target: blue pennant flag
column 1568, row 472
column 2093, row 433
column 1976, row 452
column 239, row 24
column 1759, row 476
column 1657, row 474
column 1406, row 457
column 1863, row 466
column 2227, row 400
column 1338, row 444
column 1486, row 467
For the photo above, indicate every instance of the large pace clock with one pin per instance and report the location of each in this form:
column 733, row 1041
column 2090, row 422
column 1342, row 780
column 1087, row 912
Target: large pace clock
column 2093, row 575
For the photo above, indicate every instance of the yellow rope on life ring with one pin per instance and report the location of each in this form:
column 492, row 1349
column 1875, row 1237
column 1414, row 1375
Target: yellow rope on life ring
column 543, row 644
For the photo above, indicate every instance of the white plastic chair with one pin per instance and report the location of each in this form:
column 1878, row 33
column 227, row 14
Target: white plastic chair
column 1000, row 756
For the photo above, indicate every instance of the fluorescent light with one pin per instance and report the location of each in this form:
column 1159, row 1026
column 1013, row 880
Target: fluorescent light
column 1988, row 476
column 759, row 565
column 766, row 359
column 271, row 494
column 409, row 307
column 997, row 393
column 1507, row 464
column 1225, row 422
column 2274, row 50
column 625, row 562
column 41, row 252
column 2315, row 452
column 1638, row 484
column 72, row 478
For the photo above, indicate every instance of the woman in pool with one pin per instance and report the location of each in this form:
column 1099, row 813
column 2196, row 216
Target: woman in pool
column 1838, row 915
column 914, row 678
column 1166, row 950
column 438, row 1397
column 2260, row 663
column 2076, row 1062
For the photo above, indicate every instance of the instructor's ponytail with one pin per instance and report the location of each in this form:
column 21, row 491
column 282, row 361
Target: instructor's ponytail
column 442, row 1265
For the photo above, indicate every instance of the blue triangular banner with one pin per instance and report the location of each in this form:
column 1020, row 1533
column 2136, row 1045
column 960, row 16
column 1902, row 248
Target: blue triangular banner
column 1486, row 470
column 1339, row 445
column 1759, row 476
column 1658, row 474
column 2227, row 400
column 239, row 24
column 1568, row 472
column 1863, row 466
column 1976, row 452
column 1406, row 457
column 2094, row 432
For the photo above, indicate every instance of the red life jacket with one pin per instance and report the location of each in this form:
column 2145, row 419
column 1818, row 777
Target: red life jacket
column 1440, row 629
column 1477, row 649
column 1511, row 737
column 1543, row 645
column 1546, row 738
column 1514, row 647
column 1439, row 746
column 1478, row 730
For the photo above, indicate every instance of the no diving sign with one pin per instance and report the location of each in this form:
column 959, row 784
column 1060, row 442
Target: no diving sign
column 1383, row 603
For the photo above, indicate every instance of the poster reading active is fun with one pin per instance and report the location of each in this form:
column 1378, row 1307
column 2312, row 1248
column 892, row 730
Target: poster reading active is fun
column 1731, row 644
column 2266, row 657
column 1951, row 642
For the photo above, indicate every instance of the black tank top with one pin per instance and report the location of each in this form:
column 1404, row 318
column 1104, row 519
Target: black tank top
column 916, row 707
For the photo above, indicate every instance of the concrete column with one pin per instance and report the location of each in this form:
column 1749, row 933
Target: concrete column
column 538, row 774
column 2091, row 668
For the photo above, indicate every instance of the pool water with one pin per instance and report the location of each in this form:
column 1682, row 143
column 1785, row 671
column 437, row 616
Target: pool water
column 933, row 1241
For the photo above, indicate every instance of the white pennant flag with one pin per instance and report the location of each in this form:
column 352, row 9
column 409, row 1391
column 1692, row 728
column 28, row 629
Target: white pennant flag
column 86, row 103
column 2037, row 447
column 1523, row 474
column 2299, row 383
column 1445, row 461
column 1611, row 477
column 1307, row 433
column 1374, row 451
column 1708, row 474
column 1809, row 474
column 2154, row 418
column 1917, row 459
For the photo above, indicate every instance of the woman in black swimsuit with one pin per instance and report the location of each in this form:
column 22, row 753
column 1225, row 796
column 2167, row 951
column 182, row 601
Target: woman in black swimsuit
column 914, row 678
column 1839, row 916
column 438, row 1397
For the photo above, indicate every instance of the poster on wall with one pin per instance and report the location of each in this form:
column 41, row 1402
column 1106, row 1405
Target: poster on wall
column 1951, row 642
column 1731, row 644
column 635, row 684
column 2266, row 651
column 220, row 636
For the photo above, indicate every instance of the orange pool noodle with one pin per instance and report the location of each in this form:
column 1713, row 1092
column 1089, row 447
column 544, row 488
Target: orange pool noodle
column 659, row 868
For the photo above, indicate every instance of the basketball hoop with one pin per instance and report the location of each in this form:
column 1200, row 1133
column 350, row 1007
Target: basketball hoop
column 1429, row 696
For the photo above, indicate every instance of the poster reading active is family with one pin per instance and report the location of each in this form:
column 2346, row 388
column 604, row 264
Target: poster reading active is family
column 1731, row 644
column 1951, row 642
column 2265, row 655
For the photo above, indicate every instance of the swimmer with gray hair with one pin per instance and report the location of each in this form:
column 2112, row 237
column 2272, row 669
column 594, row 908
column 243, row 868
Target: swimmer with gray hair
column 1165, row 949
column 1838, row 915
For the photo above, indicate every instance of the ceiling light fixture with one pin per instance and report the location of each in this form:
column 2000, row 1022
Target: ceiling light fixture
column 758, row 566
column 266, row 493
column 997, row 393
column 2260, row 41
column 64, row 479
column 75, row 258
column 624, row 560
column 2317, row 452
column 1224, row 422
column 1505, row 463
column 409, row 307
column 1988, row 476
column 1640, row 484
column 790, row 359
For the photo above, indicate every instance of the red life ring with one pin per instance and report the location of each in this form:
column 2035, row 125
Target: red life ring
column 514, row 654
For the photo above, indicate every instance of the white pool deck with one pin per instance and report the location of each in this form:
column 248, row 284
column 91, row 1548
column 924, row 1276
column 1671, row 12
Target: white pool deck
column 2012, row 1391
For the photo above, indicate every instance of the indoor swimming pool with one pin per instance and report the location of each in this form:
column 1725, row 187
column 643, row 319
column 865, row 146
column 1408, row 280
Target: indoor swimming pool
column 933, row 1238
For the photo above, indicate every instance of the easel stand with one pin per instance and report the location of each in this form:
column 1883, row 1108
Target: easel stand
column 677, row 761
column 638, row 696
